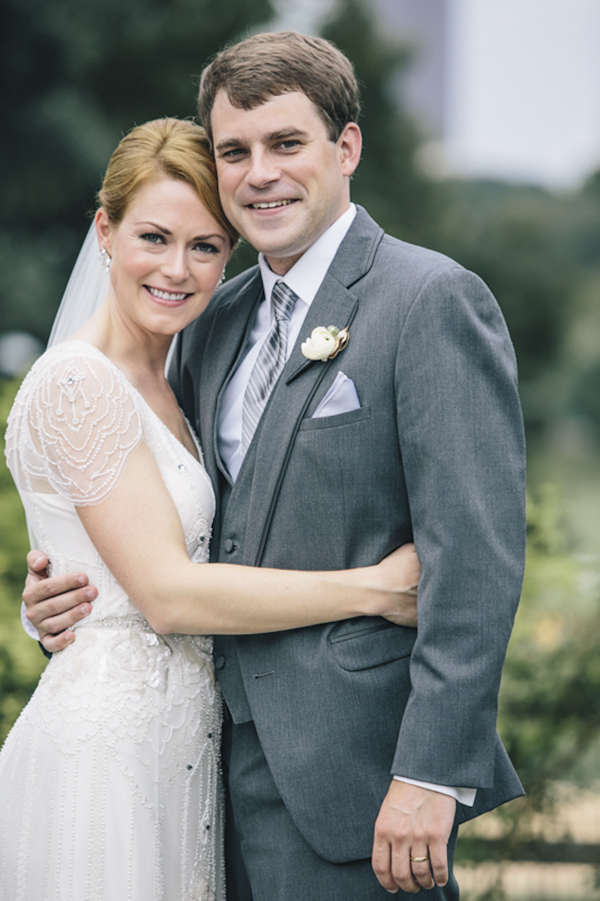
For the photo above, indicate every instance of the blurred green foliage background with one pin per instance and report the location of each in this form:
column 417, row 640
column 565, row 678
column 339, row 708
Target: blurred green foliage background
column 77, row 76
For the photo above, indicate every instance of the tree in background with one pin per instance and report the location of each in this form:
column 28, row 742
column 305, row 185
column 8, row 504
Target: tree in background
column 551, row 680
column 538, row 251
column 75, row 78
column 388, row 182
column 527, row 244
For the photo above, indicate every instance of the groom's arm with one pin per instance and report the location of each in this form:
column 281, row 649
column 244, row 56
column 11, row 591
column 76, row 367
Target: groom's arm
column 461, row 437
column 460, row 432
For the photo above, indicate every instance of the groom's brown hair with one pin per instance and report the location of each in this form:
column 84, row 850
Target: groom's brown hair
column 266, row 65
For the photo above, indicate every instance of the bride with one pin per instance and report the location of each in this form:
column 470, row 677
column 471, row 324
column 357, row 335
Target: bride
column 110, row 778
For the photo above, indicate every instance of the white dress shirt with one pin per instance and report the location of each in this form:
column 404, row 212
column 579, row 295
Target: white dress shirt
column 304, row 278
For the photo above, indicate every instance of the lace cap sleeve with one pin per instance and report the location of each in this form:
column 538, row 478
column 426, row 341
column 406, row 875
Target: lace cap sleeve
column 73, row 426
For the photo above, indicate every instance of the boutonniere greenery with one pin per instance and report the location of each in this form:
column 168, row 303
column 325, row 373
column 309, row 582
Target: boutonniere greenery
column 325, row 343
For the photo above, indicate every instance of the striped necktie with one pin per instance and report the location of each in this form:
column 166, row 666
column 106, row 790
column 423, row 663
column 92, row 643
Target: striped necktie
column 269, row 363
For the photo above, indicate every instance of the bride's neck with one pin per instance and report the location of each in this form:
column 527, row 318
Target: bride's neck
column 141, row 357
column 140, row 354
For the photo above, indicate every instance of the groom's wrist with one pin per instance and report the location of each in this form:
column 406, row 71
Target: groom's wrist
column 464, row 796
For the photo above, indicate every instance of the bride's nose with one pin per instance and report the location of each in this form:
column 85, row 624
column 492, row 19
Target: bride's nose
column 175, row 264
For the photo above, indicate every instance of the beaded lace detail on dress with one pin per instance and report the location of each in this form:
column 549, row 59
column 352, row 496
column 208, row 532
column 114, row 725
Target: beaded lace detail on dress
column 83, row 424
column 110, row 778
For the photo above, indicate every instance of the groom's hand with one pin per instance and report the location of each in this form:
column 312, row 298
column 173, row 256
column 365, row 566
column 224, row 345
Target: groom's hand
column 55, row 603
column 412, row 822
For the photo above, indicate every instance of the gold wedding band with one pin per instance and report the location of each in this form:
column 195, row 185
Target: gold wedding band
column 419, row 859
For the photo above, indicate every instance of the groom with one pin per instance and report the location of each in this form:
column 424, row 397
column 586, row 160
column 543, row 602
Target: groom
column 359, row 744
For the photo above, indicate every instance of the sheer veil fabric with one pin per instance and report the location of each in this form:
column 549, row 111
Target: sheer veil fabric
column 85, row 291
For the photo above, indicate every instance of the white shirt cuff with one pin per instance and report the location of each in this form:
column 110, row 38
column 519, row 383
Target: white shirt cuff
column 31, row 630
column 464, row 796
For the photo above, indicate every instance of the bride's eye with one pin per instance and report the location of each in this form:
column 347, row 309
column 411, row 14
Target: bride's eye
column 152, row 238
column 205, row 247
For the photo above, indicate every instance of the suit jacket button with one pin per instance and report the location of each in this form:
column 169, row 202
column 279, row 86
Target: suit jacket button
column 228, row 545
column 220, row 662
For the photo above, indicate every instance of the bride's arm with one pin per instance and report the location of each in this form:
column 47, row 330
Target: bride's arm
column 112, row 479
column 138, row 534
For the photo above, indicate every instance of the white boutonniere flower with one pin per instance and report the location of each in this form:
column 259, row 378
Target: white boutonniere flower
column 325, row 343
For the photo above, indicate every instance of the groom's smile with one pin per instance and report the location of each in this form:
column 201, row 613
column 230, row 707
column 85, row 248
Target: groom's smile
column 274, row 204
column 282, row 179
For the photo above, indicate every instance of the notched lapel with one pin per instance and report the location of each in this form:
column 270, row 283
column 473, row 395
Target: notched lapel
column 264, row 469
column 227, row 339
column 357, row 251
column 229, row 329
column 333, row 305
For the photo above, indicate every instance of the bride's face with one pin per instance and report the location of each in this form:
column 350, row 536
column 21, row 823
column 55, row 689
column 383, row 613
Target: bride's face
column 168, row 254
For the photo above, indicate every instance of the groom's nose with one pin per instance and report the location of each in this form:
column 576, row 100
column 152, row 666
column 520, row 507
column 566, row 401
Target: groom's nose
column 263, row 168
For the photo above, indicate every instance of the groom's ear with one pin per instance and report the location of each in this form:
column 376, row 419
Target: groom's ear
column 349, row 145
column 103, row 229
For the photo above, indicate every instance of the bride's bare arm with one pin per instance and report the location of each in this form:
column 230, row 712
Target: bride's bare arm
column 138, row 533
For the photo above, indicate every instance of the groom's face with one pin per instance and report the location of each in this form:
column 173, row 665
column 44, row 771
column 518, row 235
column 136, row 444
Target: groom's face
column 282, row 180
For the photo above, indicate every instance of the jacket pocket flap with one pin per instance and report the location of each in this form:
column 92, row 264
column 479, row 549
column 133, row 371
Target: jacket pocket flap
column 364, row 643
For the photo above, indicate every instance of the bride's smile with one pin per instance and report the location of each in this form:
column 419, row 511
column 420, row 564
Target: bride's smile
column 169, row 297
column 167, row 256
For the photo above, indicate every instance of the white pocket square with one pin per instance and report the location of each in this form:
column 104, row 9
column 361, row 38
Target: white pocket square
column 341, row 398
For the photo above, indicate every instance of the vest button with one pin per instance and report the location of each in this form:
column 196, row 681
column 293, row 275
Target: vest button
column 220, row 662
column 228, row 545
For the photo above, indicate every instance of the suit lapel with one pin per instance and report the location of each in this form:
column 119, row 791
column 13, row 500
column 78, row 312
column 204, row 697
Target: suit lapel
column 266, row 463
column 330, row 306
column 263, row 470
column 259, row 480
column 224, row 346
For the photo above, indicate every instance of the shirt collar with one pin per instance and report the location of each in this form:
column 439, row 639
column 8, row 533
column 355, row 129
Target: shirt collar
column 308, row 272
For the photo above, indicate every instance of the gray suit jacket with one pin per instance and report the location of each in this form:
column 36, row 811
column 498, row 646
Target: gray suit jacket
column 435, row 454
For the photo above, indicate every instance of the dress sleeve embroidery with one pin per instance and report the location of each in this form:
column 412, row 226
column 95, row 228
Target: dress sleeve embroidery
column 73, row 427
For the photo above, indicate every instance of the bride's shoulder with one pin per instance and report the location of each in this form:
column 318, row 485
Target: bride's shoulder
column 73, row 368
column 76, row 420
column 74, row 382
column 75, row 352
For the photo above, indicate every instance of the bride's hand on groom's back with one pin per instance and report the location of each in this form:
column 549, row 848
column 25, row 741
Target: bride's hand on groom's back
column 55, row 603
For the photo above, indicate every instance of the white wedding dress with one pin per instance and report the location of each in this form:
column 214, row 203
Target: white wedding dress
column 109, row 780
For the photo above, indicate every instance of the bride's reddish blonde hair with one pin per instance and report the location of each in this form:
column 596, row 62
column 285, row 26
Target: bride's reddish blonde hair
column 176, row 148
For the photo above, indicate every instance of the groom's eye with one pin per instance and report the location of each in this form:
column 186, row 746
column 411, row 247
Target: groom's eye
column 232, row 155
column 290, row 144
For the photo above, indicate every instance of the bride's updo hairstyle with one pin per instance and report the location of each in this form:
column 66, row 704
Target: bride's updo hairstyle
column 175, row 148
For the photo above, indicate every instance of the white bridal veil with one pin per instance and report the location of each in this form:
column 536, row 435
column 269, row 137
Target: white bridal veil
column 85, row 291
